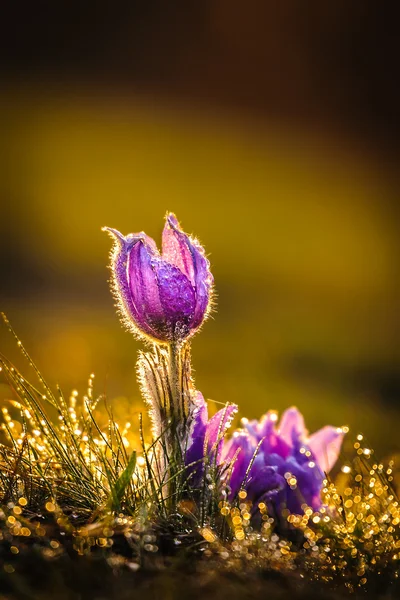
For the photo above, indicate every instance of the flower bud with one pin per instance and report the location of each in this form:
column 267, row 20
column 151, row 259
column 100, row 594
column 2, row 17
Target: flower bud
column 163, row 296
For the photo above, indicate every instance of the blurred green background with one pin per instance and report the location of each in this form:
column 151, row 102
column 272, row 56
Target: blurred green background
column 271, row 139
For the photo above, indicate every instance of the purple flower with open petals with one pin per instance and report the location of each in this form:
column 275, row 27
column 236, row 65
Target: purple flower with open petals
column 279, row 464
column 163, row 296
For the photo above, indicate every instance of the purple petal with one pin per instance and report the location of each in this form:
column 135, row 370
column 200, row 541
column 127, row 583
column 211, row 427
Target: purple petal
column 197, row 431
column 238, row 452
column 144, row 290
column 264, row 428
column 264, row 483
column 203, row 286
column 308, row 488
column 273, row 443
column 216, row 429
column 120, row 257
column 291, row 426
column 276, row 460
column 188, row 256
column 325, row 445
column 252, row 427
column 176, row 248
column 177, row 296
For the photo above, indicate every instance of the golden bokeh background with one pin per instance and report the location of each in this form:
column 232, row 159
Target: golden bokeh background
column 296, row 208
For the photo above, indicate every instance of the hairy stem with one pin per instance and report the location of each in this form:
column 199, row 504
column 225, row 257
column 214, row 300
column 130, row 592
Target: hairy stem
column 175, row 375
column 167, row 387
column 175, row 418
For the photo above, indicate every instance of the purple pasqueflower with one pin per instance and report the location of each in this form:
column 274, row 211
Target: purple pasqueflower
column 163, row 296
column 279, row 464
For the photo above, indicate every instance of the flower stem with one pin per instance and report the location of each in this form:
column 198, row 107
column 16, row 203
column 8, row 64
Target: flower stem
column 176, row 417
column 174, row 375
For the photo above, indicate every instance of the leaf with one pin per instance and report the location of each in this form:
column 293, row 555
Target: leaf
column 117, row 492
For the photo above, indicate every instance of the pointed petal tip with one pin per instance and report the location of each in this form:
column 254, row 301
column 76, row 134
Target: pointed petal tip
column 172, row 220
column 326, row 444
column 114, row 233
column 291, row 412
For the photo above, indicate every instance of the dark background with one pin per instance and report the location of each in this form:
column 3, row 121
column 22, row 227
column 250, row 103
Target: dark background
column 272, row 130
